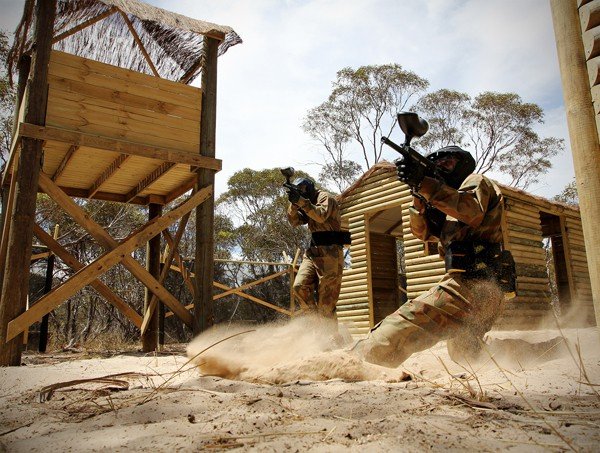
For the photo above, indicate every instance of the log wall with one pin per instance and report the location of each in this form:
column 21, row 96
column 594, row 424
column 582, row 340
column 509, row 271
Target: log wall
column 361, row 303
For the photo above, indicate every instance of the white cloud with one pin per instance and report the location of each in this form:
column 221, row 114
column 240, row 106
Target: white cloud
column 293, row 48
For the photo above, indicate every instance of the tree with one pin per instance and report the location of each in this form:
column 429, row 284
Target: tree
column 569, row 194
column 360, row 109
column 257, row 205
column 7, row 102
column 496, row 127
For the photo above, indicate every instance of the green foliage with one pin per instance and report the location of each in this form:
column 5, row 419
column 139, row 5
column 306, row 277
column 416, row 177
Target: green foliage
column 256, row 202
column 360, row 109
column 7, row 102
column 496, row 127
column 569, row 194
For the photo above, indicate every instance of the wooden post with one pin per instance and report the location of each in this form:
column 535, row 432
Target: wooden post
column 204, row 264
column 149, row 337
column 24, row 67
column 583, row 132
column 43, row 340
column 16, row 277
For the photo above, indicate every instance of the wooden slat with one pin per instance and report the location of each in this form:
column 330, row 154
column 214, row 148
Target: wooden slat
column 149, row 180
column 74, row 264
column 84, row 24
column 121, row 146
column 107, row 242
column 105, row 176
column 105, row 262
column 138, row 41
column 111, row 83
column 63, row 164
column 86, row 65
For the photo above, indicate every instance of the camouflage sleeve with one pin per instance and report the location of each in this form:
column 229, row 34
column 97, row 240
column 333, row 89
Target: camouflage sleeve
column 468, row 204
column 418, row 222
column 295, row 217
column 320, row 211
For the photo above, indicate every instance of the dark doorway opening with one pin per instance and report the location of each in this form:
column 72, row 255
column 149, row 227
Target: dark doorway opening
column 556, row 259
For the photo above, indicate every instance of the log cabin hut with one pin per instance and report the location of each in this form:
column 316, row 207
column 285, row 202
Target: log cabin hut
column 389, row 265
column 105, row 111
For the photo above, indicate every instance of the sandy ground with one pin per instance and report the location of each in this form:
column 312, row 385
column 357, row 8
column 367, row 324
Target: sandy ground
column 290, row 393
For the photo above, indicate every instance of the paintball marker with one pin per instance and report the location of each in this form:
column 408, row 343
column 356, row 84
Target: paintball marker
column 413, row 126
column 292, row 190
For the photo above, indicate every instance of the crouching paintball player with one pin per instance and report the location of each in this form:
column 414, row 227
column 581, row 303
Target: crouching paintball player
column 317, row 284
column 462, row 211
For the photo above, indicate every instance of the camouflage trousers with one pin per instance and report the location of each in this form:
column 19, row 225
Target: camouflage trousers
column 458, row 310
column 320, row 271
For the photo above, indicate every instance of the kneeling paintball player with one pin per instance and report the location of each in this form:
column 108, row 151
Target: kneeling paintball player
column 462, row 211
column 322, row 263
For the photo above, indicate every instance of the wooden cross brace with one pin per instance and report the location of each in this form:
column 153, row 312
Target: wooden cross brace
column 115, row 253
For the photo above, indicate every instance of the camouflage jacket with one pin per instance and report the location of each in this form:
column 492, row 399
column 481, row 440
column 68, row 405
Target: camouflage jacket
column 322, row 216
column 473, row 212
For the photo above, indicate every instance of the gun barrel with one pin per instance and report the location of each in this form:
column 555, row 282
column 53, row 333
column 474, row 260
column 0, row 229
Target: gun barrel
column 394, row 146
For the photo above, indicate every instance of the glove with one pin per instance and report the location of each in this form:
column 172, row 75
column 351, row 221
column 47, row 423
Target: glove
column 293, row 196
column 412, row 175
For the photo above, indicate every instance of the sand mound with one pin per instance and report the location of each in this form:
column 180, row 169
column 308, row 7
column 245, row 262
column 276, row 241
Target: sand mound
column 305, row 348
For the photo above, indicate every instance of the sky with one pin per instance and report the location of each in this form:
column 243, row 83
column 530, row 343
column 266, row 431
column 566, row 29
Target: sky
column 292, row 50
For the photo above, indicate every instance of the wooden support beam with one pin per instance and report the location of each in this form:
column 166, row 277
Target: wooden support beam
column 84, row 24
column 119, row 146
column 150, row 333
column 150, row 179
column 250, row 285
column 64, row 162
column 185, row 187
column 105, row 262
column 238, row 293
column 180, row 262
column 205, row 214
column 106, row 174
column 106, row 241
column 76, row 265
column 13, row 299
column 583, row 133
column 138, row 41
column 153, row 302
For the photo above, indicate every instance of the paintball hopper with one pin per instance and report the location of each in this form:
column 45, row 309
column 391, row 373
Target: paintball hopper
column 288, row 172
column 412, row 125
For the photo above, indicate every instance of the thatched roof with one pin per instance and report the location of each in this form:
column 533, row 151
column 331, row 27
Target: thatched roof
column 173, row 41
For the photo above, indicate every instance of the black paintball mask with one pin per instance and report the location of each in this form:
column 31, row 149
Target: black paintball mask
column 463, row 168
column 307, row 189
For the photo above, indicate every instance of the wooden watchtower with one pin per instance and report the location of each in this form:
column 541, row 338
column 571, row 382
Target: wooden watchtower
column 105, row 112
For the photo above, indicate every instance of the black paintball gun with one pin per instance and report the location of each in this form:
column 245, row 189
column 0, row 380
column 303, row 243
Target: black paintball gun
column 414, row 126
column 292, row 190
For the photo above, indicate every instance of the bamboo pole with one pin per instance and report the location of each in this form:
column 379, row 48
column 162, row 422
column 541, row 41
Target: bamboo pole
column 583, row 132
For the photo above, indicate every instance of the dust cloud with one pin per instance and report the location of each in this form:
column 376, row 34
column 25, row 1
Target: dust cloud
column 304, row 348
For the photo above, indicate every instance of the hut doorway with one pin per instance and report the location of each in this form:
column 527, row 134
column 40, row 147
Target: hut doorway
column 386, row 258
column 558, row 271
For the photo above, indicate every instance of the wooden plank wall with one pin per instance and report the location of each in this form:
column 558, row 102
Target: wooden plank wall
column 589, row 13
column 582, row 287
column 93, row 97
column 523, row 235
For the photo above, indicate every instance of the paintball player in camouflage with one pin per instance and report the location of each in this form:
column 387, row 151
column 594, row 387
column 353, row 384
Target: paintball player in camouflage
column 463, row 213
column 322, row 263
